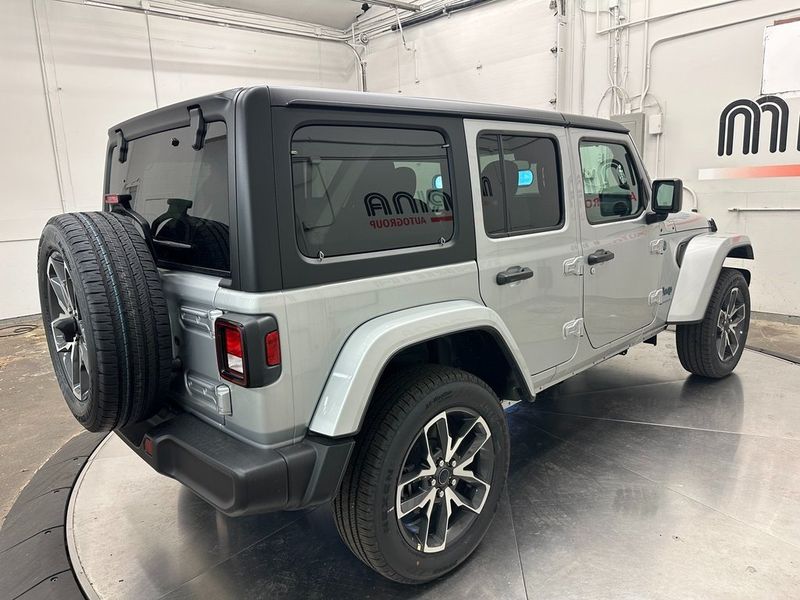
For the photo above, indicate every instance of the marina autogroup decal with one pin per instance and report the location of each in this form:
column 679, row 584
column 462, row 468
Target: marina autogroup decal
column 405, row 210
column 745, row 116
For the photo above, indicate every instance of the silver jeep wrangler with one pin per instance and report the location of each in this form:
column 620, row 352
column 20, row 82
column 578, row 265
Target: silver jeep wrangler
column 298, row 296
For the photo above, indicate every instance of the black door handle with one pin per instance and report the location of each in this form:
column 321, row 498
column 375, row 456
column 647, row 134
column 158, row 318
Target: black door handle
column 513, row 274
column 600, row 256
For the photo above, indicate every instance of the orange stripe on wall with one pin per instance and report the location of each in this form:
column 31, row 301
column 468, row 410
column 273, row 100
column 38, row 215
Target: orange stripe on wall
column 750, row 172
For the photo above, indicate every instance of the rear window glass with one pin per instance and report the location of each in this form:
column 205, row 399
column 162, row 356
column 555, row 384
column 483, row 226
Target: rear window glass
column 365, row 189
column 182, row 193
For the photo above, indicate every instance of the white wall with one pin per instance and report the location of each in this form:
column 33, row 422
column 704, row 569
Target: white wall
column 693, row 77
column 98, row 71
column 498, row 53
column 29, row 192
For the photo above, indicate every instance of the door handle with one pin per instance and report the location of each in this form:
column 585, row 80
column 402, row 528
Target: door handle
column 600, row 256
column 513, row 274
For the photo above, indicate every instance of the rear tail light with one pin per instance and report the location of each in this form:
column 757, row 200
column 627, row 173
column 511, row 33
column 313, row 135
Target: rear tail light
column 231, row 351
column 273, row 347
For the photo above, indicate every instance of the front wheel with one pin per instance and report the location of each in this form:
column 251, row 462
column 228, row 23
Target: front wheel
column 712, row 348
column 426, row 477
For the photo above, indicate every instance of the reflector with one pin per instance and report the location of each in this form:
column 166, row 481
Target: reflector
column 273, row 342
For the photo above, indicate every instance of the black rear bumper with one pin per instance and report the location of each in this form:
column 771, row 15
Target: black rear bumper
column 235, row 477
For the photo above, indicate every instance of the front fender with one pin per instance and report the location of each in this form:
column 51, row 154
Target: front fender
column 369, row 348
column 700, row 268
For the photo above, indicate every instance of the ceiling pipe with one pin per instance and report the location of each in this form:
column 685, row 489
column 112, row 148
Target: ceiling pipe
column 444, row 11
column 393, row 4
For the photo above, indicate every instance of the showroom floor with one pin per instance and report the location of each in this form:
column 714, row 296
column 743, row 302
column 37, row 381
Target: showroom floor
column 631, row 480
column 34, row 419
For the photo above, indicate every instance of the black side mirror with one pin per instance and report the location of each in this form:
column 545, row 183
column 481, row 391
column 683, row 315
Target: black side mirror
column 667, row 196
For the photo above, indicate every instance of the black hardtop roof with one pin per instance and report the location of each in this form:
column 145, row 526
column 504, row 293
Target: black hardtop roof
column 169, row 116
column 301, row 96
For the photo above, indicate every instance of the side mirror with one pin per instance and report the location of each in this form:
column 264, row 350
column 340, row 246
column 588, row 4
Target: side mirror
column 667, row 196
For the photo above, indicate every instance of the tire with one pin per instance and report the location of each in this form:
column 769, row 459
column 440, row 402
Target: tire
column 702, row 348
column 105, row 318
column 368, row 501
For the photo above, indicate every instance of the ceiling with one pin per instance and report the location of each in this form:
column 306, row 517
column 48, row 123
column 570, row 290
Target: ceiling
column 332, row 13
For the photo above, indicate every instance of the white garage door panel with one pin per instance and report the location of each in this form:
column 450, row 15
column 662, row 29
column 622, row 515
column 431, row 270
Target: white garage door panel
column 20, row 295
column 102, row 68
column 28, row 183
column 193, row 59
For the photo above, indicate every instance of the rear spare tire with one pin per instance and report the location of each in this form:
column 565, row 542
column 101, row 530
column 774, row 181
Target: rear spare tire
column 105, row 318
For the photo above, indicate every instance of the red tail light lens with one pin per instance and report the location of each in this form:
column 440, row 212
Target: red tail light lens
column 273, row 343
column 231, row 351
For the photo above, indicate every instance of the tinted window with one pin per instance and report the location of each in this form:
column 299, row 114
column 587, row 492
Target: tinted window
column 183, row 194
column 520, row 189
column 363, row 189
column 612, row 190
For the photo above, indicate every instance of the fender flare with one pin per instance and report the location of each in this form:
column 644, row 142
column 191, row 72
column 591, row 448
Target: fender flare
column 700, row 269
column 346, row 395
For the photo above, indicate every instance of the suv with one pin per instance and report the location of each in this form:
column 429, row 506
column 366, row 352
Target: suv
column 298, row 296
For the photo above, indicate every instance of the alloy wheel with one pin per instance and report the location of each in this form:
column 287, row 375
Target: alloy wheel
column 730, row 325
column 66, row 326
column 444, row 482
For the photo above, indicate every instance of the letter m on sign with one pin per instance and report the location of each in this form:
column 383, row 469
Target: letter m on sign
column 750, row 113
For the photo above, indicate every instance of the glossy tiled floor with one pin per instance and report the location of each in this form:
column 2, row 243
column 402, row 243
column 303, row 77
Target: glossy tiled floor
column 631, row 480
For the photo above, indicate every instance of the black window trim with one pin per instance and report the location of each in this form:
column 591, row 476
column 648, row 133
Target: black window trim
column 341, row 258
column 561, row 225
column 299, row 271
column 644, row 197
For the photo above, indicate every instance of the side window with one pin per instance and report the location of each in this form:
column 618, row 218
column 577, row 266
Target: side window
column 612, row 190
column 366, row 189
column 520, row 184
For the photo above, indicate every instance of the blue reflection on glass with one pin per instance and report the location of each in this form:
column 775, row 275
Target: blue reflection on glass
column 525, row 177
column 437, row 182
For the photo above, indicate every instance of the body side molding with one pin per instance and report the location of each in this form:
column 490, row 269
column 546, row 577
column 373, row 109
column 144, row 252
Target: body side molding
column 369, row 348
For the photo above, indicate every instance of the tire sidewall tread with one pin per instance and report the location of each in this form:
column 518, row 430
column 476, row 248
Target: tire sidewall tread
column 364, row 508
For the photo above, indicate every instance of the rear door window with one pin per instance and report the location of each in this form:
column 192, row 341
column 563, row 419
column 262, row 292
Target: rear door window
column 182, row 193
column 520, row 184
column 367, row 189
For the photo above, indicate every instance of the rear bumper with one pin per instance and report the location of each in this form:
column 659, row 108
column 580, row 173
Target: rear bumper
column 236, row 478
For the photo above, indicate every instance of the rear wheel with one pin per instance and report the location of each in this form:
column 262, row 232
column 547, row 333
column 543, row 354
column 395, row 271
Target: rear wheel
column 105, row 318
column 426, row 476
column 713, row 347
